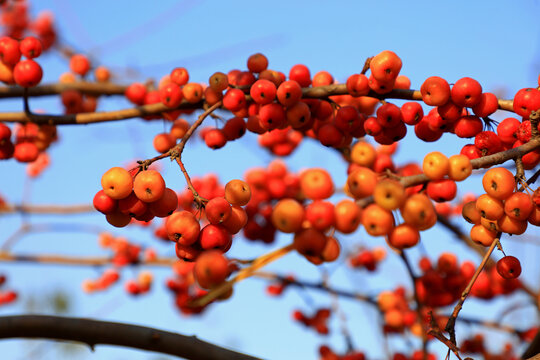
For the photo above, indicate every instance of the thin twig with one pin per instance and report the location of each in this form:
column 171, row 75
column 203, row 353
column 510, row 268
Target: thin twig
column 418, row 304
column 246, row 272
column 315, row 286
column 450, row 325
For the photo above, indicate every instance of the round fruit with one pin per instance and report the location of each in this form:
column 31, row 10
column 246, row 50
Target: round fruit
column 509, row 267
column 149, row 186
column 117, row 183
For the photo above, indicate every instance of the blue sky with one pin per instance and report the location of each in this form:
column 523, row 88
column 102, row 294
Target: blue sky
column 495, row 42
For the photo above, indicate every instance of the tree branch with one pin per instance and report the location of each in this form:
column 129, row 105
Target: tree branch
column 76, row 260
column 96, row 117
column 94, row 332
column 450, row 325
column 90, row 88
column 315, row 286
column 46, row 209
column 485, row 161
column 418, row 304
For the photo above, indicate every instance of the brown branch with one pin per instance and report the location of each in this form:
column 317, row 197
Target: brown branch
column 94, row 332
column 418, row 304
column 90, row 118
column 315, row 286
column 89, row 88
column 437, row 333
column 533, row 348
column 46, row 209
column 489, row 324
column 482, row 162
column 96, row 117
column 246, row 272
column 175, row 153
column 76, row 260
column 450, row 325
column 403, row 94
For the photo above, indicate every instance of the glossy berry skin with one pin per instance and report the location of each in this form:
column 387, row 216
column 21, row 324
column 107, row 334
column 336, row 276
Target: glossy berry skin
column 215, row 139
column 466, row 92
column 10, row 53
column 179, row 76
column 272, row 116
column 435, row 91
column 215, row 237
column 509, row 267
column 525, row 101
column 289, row 92
column 257, row 63
column 30, row 47
column 234, row 100
column 412, row 113
column 358, row 85
column 27, row 73
column 506, row 130
column 263, row 91
column 104, row 203
column 301, row 74
column 171, row 95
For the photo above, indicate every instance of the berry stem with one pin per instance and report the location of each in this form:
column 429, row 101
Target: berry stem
column 450, row 325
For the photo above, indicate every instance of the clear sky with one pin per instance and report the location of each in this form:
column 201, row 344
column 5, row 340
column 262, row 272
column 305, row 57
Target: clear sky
column 496, row 42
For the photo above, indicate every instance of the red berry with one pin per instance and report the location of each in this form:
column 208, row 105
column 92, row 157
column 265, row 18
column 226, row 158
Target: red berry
column 300, row 73
column 136, row 93
column 10, row 53
column 509, row 267
column 466, row 92
column 27, row 73
column 525, row 101
column 30, row 47
column 79, row 64
column 215, row 139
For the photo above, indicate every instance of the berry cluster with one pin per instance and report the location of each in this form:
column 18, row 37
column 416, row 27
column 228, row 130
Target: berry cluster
column 367, row 258
column 442, row 285
column 318, row 321
column 396, row 311
column 225, row 217
column 185, row 288
column 143, row 197
column 273, row 183
column 30, row 143
column 500, row 209
column 26, row 73
column 16, row 22
column 124, row 252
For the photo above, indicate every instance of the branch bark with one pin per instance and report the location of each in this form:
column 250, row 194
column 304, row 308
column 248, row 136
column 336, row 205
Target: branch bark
column 94, row 332
column 46, row 209
column 110, row 89
column 90, row 88
column 75, row 260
